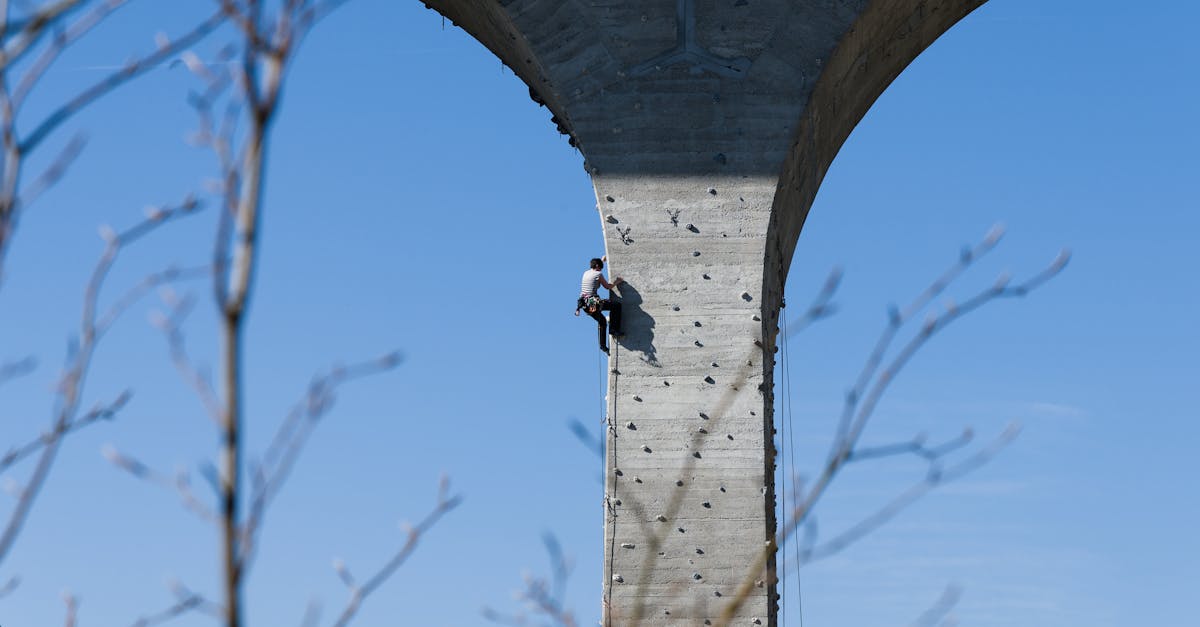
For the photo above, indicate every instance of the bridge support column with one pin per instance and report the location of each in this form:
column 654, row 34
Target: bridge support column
column 689, row 473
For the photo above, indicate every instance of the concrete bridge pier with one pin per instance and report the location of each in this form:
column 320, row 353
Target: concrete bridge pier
column 707, row 126
column 689, row 490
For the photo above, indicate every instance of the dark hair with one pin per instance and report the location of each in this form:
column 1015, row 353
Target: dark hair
column 596, row 263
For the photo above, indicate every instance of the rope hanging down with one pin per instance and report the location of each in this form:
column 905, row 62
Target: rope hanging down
column 790, row 462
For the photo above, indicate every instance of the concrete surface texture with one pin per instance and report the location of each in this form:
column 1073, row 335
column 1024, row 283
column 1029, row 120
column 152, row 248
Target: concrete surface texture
column 706, row 126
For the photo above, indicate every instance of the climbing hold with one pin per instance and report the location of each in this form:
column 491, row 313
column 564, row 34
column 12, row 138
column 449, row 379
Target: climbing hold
column 627, row 545
column 756, row 318
column 692, row 228
column 679, row 482
column 618, row 501
column 720, row 158
column 631, row 426
column 729, row 435
column 722, row 489
column 696, row 454
column 707, row 505
column 675, row 308
column 660, row 518
column 695, row 253
column 610, row 219
column 712, row 191
column 697, row 323
column 716, row 593
column 747, row 297
column 667, row 612
column 638, row 480
column 707, row 278
column 699, row 551
column 758, row 343
column 667, row 383
column 756, row 621
column 646, row 449
column 619, row 473
column 697, row 343
column 618, row 579
column 637, row 398
column 701, row 430
column 609, row 199
column 704, row 415
column 709, row 380
column 697, row 576
column 714, row 365
column 680, row 530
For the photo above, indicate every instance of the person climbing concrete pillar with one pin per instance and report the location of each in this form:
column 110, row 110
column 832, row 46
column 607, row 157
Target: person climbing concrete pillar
column 706, row 128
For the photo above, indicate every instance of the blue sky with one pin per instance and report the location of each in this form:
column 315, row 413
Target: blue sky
column 410, row 172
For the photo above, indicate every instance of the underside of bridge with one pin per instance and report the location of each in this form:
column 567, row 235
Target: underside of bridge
column 706, row 126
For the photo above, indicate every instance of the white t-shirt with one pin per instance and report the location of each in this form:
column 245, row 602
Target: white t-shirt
column 590, row 283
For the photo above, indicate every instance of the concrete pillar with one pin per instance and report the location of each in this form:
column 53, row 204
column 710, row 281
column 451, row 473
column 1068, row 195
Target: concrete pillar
column 707, row 126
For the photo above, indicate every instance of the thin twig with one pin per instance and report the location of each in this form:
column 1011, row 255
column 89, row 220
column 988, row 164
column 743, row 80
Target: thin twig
column 16, row 369
column 172, row 327
column 291, row 437
column 940, row 608
column 544, row 598
column 934, row 478
column 180, row 484
column 131, row 70
column 359, row 593
column 186, row 601
column 72, row 603
column 72, row 383
column 870, row 388
column 96, row 414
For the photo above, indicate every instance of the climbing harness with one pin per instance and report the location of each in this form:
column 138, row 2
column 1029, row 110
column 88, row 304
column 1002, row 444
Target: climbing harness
column 590, row 304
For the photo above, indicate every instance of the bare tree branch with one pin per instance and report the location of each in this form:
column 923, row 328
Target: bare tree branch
column 171, row 325
column 865, row 395
column 180, row 483
column 186, row 602
column 131, row 70
column 289, row 441
column 9, row 586
column 359, row 593
column 72, row 603
column 16, row 369
column 544, row 598
column 16, row 40
column 96, row 414
column 940, row 608
column 79, row 360
column 933, row 478
column 63, row 39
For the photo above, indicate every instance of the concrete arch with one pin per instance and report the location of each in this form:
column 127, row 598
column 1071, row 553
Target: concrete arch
column 706, row 127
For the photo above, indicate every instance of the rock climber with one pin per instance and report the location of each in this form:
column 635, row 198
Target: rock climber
column 590, row 301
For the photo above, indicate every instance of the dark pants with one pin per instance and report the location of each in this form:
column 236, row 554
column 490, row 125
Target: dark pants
column 614, row 310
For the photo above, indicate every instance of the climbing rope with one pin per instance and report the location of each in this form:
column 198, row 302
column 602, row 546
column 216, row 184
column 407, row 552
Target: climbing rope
column 790, row 429
column 610, row 476
column 783, row 466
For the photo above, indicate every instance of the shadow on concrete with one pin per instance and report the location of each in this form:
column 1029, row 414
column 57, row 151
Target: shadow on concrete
column 637, row 324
